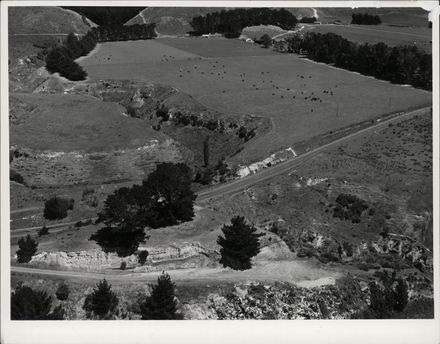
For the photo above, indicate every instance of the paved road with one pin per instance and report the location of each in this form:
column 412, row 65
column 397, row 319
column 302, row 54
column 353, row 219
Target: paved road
column 238, row 185
column 244, row 183
column 222, row 190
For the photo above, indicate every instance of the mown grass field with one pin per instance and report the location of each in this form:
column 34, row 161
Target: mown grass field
column 390, row 35
column 303, row 99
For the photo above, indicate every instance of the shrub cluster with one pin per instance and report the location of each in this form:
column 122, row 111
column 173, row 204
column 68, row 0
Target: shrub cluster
column 220, row 126
column 307, row 20
column 365, row 19
column 231, row 22
column 27, row 247
column 16, row 177
column 349, row 207
column 29, row 304
column 401, row 64
column 386, row 301
column 56, row 208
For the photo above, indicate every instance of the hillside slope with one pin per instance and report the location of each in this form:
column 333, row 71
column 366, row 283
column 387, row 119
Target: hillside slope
column 45, row 19
column 175, row 20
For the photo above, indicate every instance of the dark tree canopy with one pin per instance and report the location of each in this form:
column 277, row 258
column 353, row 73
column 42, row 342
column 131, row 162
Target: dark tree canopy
column 239, row 244
column 387, row 301
column 102, row 302
column 62, row 292
column 265, row 41
column 142, row 257
column 165, row 198
column 231, row 22
column 29, row 304
column 56, row 208
column 401, row 65
column 365, row 19
column 27, row 247
column 161, row 304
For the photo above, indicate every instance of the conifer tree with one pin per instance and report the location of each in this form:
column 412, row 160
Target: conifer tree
column 161, row 304
column 239, row 244
column 27, row 247
column 102, row 302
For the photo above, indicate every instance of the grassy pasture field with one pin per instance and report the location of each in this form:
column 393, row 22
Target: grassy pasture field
column 74, row 123
column 303, row 98
column 390, row 35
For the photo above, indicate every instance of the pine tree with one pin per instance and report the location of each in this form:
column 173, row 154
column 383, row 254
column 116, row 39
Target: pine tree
column 27, row 248
column 161, row 305
column 102, row 302
column 239, row 244
column 142, row 257
column 400, row 295
column 29, row 304
column 62, row 292
column 206, row 151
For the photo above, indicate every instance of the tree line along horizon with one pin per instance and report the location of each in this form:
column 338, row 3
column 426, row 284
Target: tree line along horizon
column 401, row 61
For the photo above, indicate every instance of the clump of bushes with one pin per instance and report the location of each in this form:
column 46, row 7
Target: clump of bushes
column 30, row 304
column 349, row 207
column 27, row 247
column 14, row 176
column 62, row 292
column 142, row 257
column 43, row 231
column 56, row 208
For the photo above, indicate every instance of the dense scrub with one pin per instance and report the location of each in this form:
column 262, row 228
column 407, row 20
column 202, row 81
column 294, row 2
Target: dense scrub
column 401, row 65
column 365, row 19
column 231, row 22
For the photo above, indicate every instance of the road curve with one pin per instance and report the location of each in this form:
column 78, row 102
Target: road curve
column 238, row 185
column 243, row 183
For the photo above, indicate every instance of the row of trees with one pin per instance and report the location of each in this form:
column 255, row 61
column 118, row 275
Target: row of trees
column 61, row 59
column 401, row 64
column 365, row 19
column 231, row 22
column 102, row 303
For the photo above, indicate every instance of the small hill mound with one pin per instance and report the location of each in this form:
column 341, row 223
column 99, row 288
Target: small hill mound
column 50, row 20
column 170, row 20
column 255, row 32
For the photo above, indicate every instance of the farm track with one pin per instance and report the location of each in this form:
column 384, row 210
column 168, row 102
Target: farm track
column 238, row 185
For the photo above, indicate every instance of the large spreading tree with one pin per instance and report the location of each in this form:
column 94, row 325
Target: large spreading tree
column 165, row 198
column 239, row 244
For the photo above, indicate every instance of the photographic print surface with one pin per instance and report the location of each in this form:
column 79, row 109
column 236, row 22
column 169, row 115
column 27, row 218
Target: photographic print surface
column 220, row 163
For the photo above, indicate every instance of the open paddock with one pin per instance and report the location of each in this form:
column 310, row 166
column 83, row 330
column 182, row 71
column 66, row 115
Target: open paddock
column 302, row 98
column 421, row 37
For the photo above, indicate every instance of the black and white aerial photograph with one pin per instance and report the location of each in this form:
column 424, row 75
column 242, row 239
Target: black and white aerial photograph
column 218, row 163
